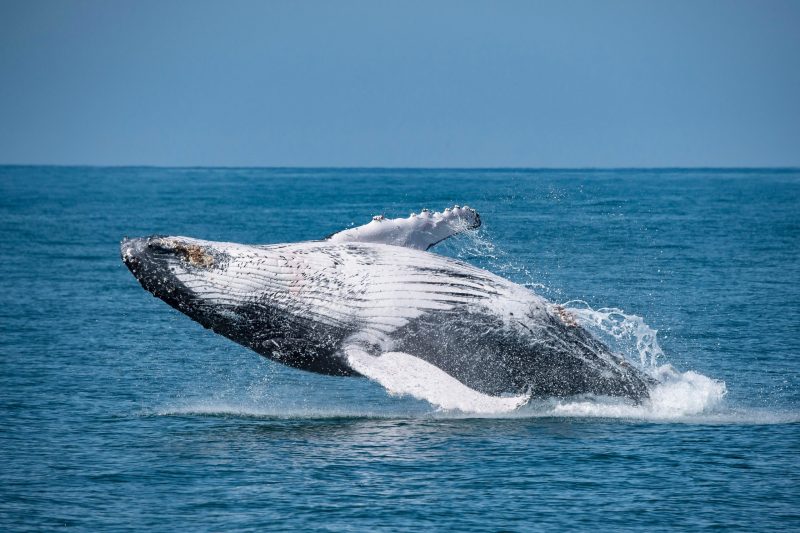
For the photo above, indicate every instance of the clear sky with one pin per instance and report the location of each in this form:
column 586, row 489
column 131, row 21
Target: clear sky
column 378, row 83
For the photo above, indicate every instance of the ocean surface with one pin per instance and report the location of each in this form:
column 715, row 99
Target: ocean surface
column 117, row 412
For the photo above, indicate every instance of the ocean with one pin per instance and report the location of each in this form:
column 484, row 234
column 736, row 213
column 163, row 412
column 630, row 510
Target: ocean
column 120, row 413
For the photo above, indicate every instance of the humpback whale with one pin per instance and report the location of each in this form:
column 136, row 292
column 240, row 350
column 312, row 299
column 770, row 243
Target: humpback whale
column 374, row 301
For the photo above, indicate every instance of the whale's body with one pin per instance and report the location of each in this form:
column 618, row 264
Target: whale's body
column 354, row 304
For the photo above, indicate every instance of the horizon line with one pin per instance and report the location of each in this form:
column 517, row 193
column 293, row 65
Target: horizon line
column 380, row 167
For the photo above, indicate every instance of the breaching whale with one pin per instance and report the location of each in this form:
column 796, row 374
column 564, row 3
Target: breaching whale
column 373, row 301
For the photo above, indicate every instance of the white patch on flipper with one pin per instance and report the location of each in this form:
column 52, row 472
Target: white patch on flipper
column 401, row 373
column 419, row 231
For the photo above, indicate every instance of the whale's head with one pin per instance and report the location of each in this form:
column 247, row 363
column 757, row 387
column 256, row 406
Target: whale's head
column 188, row 274
column 239, row 291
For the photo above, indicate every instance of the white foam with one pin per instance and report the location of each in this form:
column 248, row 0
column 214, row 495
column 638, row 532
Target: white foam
column 678, row 396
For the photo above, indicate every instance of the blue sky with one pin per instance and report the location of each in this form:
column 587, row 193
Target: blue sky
column 467, row 84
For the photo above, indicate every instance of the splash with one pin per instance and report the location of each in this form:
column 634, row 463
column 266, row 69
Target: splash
column 678, row 396
column 627, row 333
column 624, row 332
column 478, row 248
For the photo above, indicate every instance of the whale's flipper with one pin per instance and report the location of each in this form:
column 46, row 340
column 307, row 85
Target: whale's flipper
column 402, row 373
column 419, row 231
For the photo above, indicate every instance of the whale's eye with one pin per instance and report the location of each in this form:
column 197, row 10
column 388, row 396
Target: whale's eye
column 195, row 255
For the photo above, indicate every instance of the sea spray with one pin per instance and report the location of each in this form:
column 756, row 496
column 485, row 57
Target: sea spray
column 627, row 332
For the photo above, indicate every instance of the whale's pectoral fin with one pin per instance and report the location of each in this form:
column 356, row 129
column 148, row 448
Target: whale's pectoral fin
column 404, row 374
column 420, row 231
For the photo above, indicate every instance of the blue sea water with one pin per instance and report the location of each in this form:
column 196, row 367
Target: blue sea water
column 120, row 413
